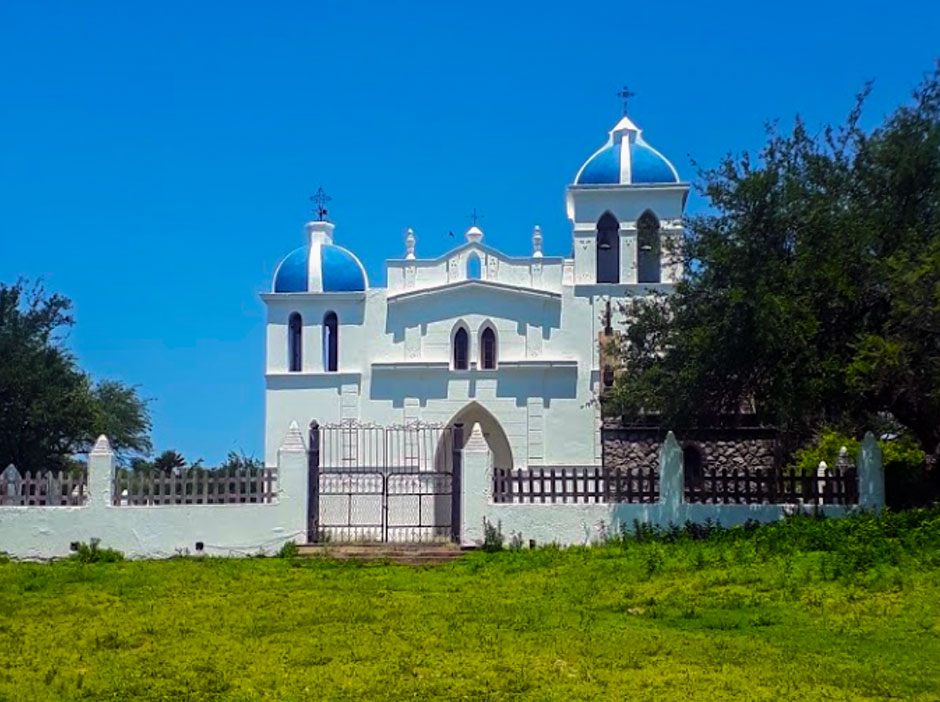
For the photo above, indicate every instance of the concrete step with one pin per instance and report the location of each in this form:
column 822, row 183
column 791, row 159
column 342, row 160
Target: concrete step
column 410, row 554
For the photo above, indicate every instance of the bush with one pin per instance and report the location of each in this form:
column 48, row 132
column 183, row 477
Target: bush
column 492, row 536
column 288, row 550
column 92, row 553
column 907, row 481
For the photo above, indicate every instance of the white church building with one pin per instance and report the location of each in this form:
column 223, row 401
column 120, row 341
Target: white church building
column 452, row 403
column 475, row 336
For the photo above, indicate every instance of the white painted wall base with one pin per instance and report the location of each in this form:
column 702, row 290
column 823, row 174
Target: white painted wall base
column 247, row 529
column 165, row 530
column 578, row 524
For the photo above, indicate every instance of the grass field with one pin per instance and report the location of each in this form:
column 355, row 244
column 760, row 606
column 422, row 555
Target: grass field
column 772, row 615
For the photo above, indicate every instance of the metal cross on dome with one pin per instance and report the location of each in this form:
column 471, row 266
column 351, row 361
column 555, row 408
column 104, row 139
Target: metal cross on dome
column 625, row 94
column 474, row 217
column 320, row 198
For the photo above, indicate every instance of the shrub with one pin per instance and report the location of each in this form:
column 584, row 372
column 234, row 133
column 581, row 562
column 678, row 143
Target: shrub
column 492, row 536
column 907, row 481
column 288, row 550
column 92, row 553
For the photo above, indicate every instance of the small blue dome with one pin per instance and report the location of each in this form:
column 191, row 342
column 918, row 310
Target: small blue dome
column 626, row 159
column 321, row 266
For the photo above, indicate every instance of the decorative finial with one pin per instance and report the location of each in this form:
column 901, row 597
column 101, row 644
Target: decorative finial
column 474, row 217
column 625, row 94
column 537, row 242
column 409, row 243
column 320, row 198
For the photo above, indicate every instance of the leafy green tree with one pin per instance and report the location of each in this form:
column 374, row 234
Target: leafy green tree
column 50, row 410
column 812, row 288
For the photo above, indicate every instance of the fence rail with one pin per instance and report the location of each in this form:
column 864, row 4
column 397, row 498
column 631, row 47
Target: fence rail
column 48, row 489
column 633, row 485
column 195, row 488
column 550, row 484
column 837, row 486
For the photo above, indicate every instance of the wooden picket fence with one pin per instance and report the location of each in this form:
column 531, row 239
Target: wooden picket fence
column 574, row 484
column 195, row 487
column 549, row 484
column 637, row 485
column 744, row 485
column 591, row 484
column 47, row 489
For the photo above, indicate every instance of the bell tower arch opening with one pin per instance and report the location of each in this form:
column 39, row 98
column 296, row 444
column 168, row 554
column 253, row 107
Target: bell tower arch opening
column 608, row 249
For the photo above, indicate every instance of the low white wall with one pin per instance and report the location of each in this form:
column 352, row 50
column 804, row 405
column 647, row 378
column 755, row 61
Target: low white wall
column 246, row 529
column 165, row 530
column 569, row 524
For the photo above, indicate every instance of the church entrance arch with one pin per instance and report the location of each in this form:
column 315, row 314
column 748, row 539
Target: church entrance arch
column 475, row 413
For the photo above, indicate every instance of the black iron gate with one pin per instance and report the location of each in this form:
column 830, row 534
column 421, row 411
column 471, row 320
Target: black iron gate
column 384, row 484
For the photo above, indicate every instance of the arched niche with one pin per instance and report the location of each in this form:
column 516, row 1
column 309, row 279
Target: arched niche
column 295, row 330
column 330, row 342
column 649, row 248
column 460, row 347
column 608, row 249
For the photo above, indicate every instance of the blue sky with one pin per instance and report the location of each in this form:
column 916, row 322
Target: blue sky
column 156, row 159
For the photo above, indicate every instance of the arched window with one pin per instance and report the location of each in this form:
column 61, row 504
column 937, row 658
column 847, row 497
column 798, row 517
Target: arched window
column 461, row 349
column 295, row 328
column 330, row 342
column 693, row 464
column 488, row 349
column 473, row 267
column 648, row 255
column 608, row 249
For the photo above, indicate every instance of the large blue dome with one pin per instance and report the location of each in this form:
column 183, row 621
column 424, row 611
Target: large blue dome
column 320, row 266
column 626, row 159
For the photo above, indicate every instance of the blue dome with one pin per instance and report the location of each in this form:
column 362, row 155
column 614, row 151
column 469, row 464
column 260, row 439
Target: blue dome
column 321, row 266
column 626, row 159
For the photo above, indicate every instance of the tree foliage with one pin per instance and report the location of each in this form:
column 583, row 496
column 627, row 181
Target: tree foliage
column 50, row 410
column 812, row 288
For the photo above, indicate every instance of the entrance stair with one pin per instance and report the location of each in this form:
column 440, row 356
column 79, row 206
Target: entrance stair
column 417, row 554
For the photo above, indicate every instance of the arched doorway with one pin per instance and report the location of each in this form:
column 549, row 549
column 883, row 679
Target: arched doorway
column 475, row 413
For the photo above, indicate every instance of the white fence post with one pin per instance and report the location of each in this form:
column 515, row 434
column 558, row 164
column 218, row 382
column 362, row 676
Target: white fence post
column 671, row 477
column 821, row 470
column 292, row 483
column 476, row 487
column 871, row 477
column 100, row 473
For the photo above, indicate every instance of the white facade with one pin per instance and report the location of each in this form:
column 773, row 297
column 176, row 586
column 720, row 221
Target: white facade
column 395, row 352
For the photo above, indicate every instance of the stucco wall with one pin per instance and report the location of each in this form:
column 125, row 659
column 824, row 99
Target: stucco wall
column 166, row 530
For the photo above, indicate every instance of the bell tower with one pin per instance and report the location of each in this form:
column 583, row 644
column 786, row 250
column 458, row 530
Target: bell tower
column 625, row 207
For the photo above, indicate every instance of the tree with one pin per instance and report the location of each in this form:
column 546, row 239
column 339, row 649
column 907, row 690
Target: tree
column 812, row 294
column 50, row 410
column 169, row 461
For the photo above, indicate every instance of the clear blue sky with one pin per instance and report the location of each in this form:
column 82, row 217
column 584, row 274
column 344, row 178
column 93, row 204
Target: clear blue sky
column 156, row 159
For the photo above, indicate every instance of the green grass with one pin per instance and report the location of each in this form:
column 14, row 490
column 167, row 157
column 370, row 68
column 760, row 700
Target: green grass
column 740, row 616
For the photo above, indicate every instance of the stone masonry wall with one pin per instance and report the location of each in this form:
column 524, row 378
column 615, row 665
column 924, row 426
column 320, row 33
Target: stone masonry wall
column 629, row 447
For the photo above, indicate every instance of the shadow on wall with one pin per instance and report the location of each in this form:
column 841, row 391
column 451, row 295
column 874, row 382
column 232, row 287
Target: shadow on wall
column 394, row 384
column 447, row 305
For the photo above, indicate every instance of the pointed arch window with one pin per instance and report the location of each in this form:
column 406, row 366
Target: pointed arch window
column 461, row 349
column 649, row 253
column 330, row 342
column 474, row 267
column 488, row 349
column 295, row 328
column 608, row 249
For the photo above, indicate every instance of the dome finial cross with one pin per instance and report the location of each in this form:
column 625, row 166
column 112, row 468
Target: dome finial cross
column 625, row 94
column 320, row 198
column 474, row 217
